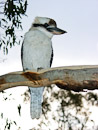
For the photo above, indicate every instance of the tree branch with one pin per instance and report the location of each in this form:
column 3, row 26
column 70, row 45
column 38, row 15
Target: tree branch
column 76, row 78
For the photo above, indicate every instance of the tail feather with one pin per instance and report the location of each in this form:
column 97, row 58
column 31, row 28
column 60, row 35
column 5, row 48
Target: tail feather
column 36, row 102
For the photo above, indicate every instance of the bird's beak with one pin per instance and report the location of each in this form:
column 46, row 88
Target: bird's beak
column 55, row 30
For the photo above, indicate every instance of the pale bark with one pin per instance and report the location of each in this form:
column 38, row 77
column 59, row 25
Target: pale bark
column 75, row 78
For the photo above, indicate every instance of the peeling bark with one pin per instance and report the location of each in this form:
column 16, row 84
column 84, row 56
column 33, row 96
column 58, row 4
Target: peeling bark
column 76, row 78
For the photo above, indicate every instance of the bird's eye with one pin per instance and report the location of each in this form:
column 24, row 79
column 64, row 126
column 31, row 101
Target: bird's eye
column 46, row 25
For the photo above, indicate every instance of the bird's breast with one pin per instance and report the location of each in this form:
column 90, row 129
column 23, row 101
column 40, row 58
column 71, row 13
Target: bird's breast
column 37, row 52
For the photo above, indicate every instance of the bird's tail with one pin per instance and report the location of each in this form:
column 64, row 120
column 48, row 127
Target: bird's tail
column 36, row 102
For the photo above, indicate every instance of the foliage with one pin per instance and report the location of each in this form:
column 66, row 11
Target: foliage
column 5, row 122
column 8, row 124
column 66, row 109
column 12, row 11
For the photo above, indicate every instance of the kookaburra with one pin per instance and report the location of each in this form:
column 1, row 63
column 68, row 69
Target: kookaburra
column 36, row 54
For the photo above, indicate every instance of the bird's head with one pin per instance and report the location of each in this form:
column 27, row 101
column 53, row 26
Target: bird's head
column 48, row 26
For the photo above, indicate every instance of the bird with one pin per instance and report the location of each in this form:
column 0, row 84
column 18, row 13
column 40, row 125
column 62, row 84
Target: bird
column 37, row 54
